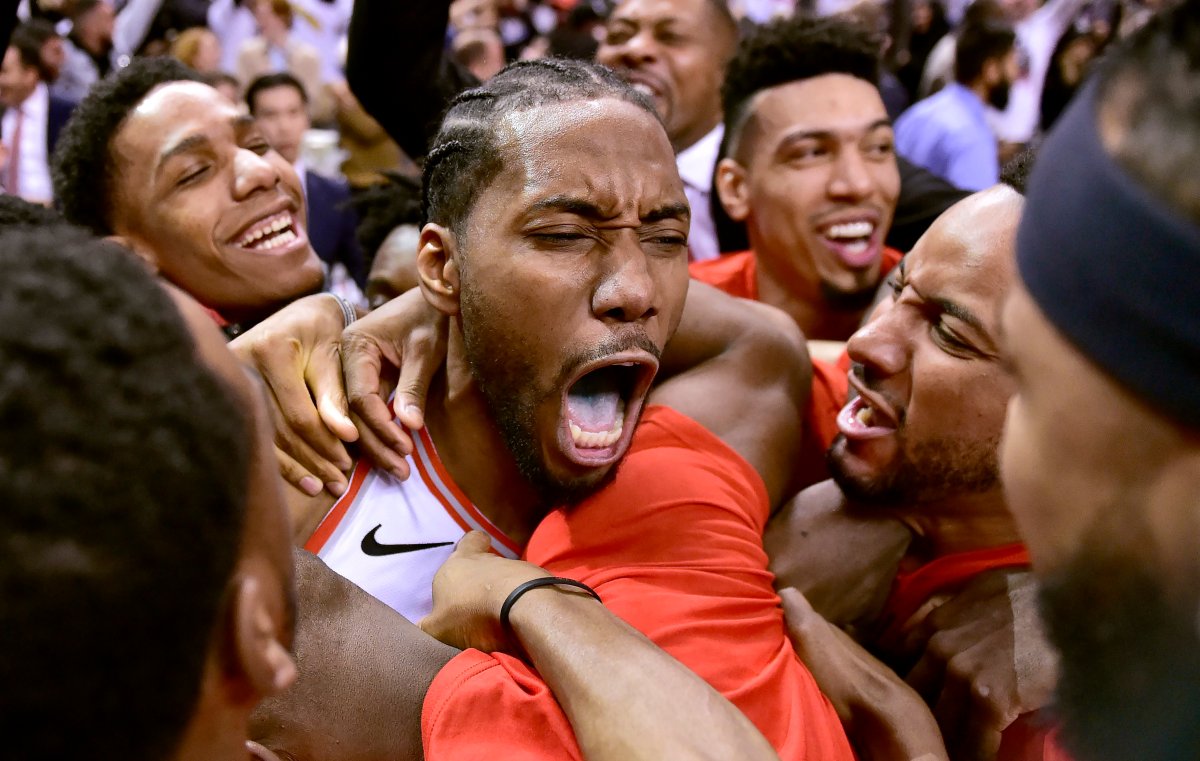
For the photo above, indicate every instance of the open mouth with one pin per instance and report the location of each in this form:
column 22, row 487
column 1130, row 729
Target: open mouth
column 855, row 243
column 274, row 232
column 862, row 419
column 601, row 408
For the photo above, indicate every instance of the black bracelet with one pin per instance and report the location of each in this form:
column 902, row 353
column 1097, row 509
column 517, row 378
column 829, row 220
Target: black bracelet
column 545, row 581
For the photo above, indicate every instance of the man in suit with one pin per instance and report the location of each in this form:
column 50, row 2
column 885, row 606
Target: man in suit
column 31, row 122
column 280, row 105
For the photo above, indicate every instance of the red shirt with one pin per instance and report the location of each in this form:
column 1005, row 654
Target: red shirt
column 674, row 547
column 737, row 275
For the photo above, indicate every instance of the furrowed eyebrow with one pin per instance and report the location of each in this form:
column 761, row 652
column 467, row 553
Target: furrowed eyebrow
column 958, row 311
column 569, row 205
column 670, row 211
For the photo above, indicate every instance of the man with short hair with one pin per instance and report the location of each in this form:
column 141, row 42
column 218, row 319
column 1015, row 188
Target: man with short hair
column 142, row 526
column 808, row 168
column 675, row 50
column 187, row 182
column 127, row 425
column 280, row 105
column 1101, row 456
column 32, row 121
column 948, row 133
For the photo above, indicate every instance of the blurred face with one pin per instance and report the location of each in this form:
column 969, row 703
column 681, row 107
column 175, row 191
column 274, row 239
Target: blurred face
column 200, row 193
column 394, row 270
column 574, row 273
column 53, row 56
column 17, row 80
column 814, row 177
column 1000, row 80
column 96, row 27
column 932, row 389
column 208, row 53
column 1106, row 501
column 283, row 118
column 269, row 23
column 674, row 51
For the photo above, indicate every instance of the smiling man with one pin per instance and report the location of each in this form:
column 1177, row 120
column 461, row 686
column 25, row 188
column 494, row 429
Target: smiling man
column 170, row 168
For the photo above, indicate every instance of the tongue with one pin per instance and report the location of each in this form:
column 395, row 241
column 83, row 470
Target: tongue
column 592, row 402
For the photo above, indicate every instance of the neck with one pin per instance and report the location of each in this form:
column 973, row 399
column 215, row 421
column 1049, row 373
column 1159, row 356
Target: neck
column 980, row 89
column 218, row 728
column 785, row 284
column 474, row 452
column 692, row 135
column 960, row 523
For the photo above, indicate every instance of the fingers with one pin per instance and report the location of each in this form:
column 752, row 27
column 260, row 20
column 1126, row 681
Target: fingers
column 382, row 455
column 324, row 377
column 303, row 461
column 362, row 364
column 473, row 543
column 296, row 475
column 423, row 355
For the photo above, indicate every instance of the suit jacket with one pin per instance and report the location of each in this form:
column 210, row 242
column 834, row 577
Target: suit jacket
column 332, row 223
column 57, row 113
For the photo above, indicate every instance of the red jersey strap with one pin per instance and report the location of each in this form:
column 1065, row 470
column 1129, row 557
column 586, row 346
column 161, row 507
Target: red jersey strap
column 912, row 589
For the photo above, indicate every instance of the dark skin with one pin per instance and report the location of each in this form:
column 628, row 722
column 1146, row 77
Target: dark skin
column 620, row 266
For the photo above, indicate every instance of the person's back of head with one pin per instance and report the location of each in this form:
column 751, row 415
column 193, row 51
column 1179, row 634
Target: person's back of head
column 123, row 476
column 978, row 45
column 1108, row 252
column 16, row 211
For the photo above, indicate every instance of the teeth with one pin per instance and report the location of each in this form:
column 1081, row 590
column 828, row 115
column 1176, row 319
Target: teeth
column 643, row 89
column 271, row 225
column 866, row 416
column 600, row 439
column 852, row 230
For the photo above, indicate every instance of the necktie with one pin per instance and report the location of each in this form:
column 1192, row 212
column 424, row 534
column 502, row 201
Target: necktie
column 14, row 158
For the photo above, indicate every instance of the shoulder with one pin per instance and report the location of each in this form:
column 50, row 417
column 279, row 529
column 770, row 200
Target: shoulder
column 730, row 273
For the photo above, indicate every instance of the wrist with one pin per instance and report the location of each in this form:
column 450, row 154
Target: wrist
column 517, row 603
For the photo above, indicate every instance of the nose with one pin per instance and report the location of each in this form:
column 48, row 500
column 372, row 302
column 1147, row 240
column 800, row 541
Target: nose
column 850, row 178
column 880, row 346
column 252, row 173
column 626, row 290
column 638, row 49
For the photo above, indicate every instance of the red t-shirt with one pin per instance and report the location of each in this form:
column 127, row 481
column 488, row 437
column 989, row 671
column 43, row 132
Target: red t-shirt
column 1030, row 737
column 736, row 274
column 674, row 547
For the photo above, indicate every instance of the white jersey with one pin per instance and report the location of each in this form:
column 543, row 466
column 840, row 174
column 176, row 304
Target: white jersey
column 390, row 537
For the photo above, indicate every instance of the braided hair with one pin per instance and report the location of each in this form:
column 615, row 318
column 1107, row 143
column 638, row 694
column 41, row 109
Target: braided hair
column 466, row 156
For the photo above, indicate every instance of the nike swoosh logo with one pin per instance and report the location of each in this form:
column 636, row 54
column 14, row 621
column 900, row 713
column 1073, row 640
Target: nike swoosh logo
column 370, row 546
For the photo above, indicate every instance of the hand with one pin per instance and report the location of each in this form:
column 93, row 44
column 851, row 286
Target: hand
column 986, row 661
column 296, row 352
column 407, row 334
column 885, row 719
column 468, row 592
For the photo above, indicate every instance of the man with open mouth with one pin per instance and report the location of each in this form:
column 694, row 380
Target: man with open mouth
column 809, row 168
column 163, row 163
column 555, row 248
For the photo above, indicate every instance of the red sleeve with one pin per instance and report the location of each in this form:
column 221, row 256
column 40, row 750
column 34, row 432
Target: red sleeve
column 482, row 706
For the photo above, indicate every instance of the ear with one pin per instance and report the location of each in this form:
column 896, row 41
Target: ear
column 733, row 190
column 142, row 252
column 438, row 268
column 261, row 656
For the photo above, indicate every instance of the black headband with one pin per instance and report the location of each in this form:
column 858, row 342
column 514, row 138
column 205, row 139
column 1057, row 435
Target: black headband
column 1116, row 270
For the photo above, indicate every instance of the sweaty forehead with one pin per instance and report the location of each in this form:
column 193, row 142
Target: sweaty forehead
column 969, row 253
column 829, row 102
column 608, row 151
column 175, row 100
column 693, row 12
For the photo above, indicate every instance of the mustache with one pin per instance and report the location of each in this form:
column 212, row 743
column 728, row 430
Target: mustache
column 628, row 339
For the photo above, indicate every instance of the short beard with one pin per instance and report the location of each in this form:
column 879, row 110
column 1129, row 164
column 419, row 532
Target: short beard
column 1130, row 677
column 927, row 472
column 503, row 375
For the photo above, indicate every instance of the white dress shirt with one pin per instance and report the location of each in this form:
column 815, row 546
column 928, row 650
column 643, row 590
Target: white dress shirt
column 33, row 168
column 696, row 166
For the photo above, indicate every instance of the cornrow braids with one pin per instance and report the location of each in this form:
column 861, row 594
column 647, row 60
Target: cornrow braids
column 465, row 155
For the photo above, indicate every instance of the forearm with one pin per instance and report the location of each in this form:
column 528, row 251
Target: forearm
column 626, row 698
column 132, row 24
column 419, row 81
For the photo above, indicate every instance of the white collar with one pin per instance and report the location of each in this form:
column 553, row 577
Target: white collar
column 698, row 161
